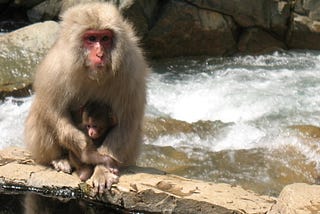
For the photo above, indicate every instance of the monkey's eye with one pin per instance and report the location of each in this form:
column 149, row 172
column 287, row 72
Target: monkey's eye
column 92, row 38
column 91, row 126
column 105, row 38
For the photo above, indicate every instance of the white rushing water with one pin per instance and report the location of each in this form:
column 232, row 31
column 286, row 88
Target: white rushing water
column 259, row 94
column 13, row 112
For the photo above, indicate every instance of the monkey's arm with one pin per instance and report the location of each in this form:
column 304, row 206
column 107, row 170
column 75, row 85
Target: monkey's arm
column 70, row 137
column 53, row 99
column 123, row 144
column 124, row 140
column 58, row 116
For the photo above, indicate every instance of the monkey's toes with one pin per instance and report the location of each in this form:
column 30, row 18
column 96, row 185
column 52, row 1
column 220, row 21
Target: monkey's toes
column 62, row 165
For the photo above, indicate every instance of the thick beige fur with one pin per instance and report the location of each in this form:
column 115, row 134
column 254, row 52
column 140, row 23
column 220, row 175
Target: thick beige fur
column 62, row 85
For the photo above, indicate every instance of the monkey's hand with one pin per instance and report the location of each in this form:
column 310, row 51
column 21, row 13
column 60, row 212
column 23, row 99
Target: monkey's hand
column 102, row 179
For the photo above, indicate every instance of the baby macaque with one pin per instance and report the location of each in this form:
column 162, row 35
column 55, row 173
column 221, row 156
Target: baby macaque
column 97, row 120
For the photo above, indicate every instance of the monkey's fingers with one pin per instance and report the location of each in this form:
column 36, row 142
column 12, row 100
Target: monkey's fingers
column 102, row 182
column 114, row 170
column 98, row 180
column 112, row 179
column 101, row 188
column 98, row 184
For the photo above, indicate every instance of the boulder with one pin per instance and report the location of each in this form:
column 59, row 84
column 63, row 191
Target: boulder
column 298, row 198
column 304, row 28
column 21, row 50
column 35, row 38
column 272, row 15
column 310, row 8
column 304, row 33
column 193, row 32
column 250, row 42
column 46, row 10
column 141, row 13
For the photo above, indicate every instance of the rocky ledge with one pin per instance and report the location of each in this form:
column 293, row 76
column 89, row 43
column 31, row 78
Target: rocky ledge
column 153, row 191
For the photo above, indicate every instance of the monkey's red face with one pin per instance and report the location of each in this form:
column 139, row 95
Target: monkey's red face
column 98, row 45
column 94, row 131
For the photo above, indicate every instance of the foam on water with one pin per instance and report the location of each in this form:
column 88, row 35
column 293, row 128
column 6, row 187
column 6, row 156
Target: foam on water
column 13, row 112
column 238, row 136
column 238, row 94
column 261, row 95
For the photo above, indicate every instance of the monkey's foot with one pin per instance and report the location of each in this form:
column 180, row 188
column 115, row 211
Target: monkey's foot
column 102, row 179
column 62, row 165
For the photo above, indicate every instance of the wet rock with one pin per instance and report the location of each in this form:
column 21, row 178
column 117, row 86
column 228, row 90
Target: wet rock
column 307, row 130
column 156, row 127
column 309, row 136
column 139, row 189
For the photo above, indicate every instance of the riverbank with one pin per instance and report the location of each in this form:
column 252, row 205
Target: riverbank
column 154, row 191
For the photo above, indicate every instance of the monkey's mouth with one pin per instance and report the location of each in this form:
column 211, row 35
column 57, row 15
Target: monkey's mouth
column 100, row 66
column 95, row 74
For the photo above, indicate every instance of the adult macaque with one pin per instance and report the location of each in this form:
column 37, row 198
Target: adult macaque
column 95, row 58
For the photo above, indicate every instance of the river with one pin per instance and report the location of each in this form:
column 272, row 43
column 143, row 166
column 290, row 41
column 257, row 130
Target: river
column 257, row 98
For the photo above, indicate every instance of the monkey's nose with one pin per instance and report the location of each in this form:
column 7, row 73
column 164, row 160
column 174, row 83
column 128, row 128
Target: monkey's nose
column 99, row 54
